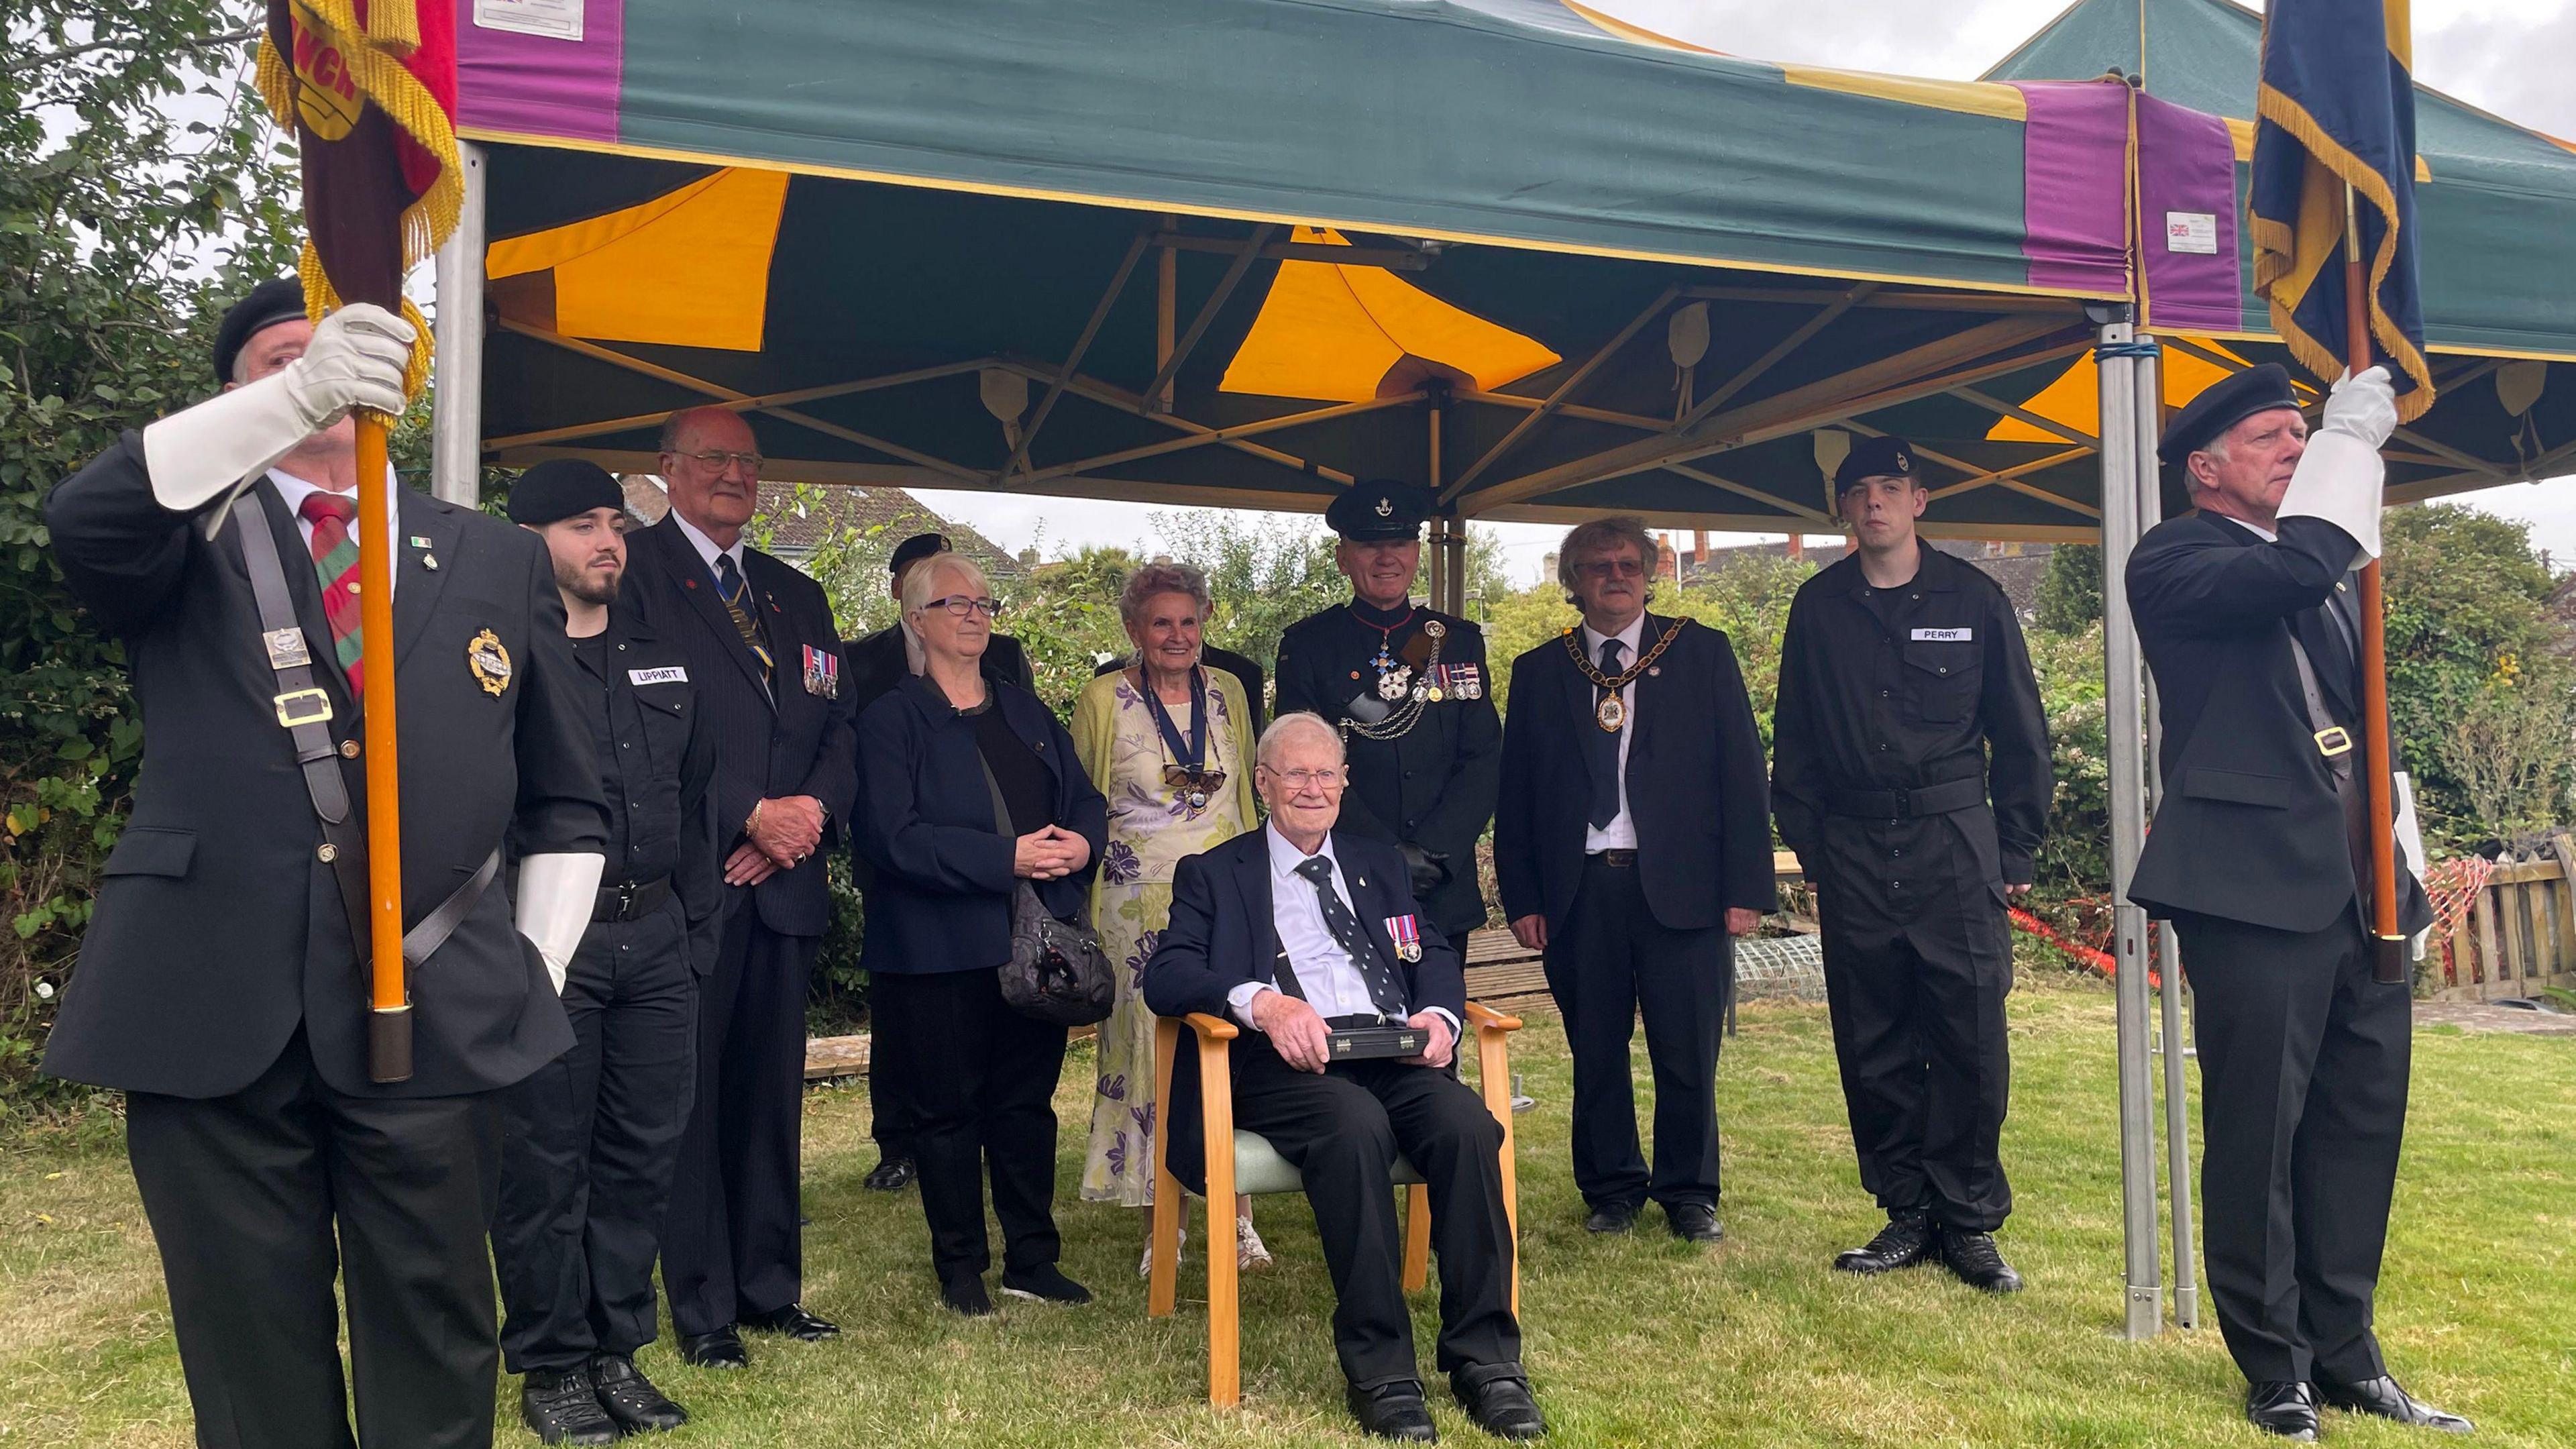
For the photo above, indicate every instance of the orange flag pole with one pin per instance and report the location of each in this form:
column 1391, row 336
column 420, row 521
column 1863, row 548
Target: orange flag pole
column 2389, row 964
column 389, row 993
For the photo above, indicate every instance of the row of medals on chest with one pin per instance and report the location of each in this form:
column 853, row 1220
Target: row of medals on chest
column 1397, row 681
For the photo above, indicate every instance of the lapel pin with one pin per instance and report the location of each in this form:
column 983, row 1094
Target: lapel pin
column 420, row 540
column 1654, row 671
column 429, row 561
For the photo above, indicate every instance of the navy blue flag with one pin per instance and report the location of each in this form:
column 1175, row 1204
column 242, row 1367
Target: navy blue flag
column 2336, row 107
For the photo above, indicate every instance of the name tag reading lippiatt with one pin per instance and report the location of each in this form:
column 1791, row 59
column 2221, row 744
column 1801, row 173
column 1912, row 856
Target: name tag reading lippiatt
column 1944, row 636
column 667, row 674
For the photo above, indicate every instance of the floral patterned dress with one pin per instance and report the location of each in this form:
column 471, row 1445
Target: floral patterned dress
column 1150, row 829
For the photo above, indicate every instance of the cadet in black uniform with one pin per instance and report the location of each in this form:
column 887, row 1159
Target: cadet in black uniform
column 594, row 1136
column 1906, row 698
column 1407, row 687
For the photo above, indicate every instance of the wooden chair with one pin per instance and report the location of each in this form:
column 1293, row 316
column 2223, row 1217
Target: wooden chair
column 1253, row 1166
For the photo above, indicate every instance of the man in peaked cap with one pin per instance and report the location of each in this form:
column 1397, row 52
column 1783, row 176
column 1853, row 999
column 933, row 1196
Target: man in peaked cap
column 2260, row 859
column 1901, row 672
column 593, row 1138
column 1406, row 686
column 222, row 982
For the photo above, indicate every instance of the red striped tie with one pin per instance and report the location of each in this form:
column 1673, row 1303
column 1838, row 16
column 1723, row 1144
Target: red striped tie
column 335, row 564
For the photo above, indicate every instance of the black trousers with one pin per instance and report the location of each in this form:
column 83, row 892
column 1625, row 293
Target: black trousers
column 1918, row 1012
column 2303, row 1065
column 593, row 1140
column 982, row 1079
column 1611, row 962
column 1343, row 1130
column 730, row 1244
column 261, row 1199
column 890, row 1109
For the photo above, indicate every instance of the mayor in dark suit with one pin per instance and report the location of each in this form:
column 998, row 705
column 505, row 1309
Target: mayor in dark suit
column 971, row 788
column 1299, row 929
column 766, row 657
column 877, row 664
column 220, row 983
column 1633, row 839
column 2260, row 857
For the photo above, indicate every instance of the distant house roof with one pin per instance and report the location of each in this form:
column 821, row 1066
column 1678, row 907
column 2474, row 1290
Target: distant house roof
column 798, row 528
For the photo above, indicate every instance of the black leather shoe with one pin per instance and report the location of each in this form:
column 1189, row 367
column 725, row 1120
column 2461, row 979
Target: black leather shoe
column 965, row 1294
column 2384, row 1397
column 891, row 1174
column 1497, row 1397
column 559, row 1407
column 1611, row 1217
column 1046, row 1283
column 630, row 1398
column 1909, row 1238
column 2287, row 1407
column 1978, row 1262
column 794, row 1322
column 1694, row 1222
column 721, row 1349
column 1394, row 1411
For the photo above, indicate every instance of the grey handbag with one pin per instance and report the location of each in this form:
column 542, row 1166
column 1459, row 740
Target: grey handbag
column 1057, row 972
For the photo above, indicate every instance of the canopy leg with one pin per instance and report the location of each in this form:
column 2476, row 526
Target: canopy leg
column 456, row 419
column 2122, row 467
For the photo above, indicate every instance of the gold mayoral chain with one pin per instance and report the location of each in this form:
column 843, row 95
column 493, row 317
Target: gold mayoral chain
column 1610, row 713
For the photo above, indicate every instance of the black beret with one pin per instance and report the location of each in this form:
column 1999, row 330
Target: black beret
column 268, row 304
column 559, row 488
column 914, row 549
column 1379, row 510
column 1883, row 457
column 2222, row 405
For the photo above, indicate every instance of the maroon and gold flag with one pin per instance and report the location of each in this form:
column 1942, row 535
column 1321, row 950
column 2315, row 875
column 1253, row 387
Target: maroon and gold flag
column 369, row 87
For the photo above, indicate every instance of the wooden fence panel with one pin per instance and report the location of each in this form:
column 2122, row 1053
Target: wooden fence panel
column 2518, row 936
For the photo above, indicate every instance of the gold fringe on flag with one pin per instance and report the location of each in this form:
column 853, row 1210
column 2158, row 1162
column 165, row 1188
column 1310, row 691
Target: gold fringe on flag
column 372, row 53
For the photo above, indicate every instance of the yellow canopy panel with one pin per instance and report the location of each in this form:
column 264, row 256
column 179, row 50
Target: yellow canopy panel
column 690, row 268
column 2074, row 400
column 1349, row 334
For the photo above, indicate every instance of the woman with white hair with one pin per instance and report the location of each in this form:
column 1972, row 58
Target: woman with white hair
column 1168, row 742
column 970, row 787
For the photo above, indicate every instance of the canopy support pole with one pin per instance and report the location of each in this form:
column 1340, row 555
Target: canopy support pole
column 1448, row 533
column 1215, row 303
column 456, row 414
column 2124, row 725
column 1167, row 306
column 2168, row 949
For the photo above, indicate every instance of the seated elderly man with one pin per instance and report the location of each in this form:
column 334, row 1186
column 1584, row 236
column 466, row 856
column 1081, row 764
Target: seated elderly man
column 1297, row 931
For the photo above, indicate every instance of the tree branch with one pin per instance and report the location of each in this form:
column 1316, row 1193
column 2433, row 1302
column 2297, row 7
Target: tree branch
column 211, row 42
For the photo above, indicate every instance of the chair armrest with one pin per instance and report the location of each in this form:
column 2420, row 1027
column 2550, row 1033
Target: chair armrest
column 1215, row 1028
column 1483, row 1017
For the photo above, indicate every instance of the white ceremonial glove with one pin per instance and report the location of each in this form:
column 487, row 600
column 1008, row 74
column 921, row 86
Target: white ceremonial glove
column 355, row 360
column 2340, row 475
column 556, row 894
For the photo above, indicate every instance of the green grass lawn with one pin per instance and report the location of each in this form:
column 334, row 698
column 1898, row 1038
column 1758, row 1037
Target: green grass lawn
column 1640, row 1341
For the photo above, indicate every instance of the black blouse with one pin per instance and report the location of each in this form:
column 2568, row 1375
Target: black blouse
column 1019, row 777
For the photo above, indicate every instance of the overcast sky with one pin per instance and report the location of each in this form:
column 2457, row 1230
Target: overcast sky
column 2512, row 57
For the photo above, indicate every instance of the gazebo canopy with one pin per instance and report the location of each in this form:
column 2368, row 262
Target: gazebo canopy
column 1245, row 252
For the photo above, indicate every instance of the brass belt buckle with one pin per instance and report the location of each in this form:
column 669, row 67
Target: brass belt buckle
column 2333, row 742
column 303, row 707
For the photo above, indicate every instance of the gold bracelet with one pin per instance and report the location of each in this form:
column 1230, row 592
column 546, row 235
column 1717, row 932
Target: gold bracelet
column 752, row 822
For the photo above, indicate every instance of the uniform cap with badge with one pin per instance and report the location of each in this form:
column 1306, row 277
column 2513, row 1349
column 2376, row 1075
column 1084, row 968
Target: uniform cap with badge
column 1885, row 456
column 1380, row 510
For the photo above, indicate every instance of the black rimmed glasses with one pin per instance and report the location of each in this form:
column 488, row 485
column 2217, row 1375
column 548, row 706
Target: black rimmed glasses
column 962, row 605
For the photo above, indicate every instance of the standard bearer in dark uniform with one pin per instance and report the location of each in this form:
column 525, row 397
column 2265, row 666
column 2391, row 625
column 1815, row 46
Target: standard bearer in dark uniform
column 2260, row 857
column 222, row 985
column 594, row 1136
column 1407, row 687
column 1906, row 704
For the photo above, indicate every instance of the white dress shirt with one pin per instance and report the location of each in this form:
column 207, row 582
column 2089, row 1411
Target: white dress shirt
column 1325, row 972
column 707, row 549
column 292, row 491
column 1621, row 832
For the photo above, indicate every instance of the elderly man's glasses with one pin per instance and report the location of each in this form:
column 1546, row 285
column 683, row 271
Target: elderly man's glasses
column 1298, row 780
column 962, row 605
column 716, row 461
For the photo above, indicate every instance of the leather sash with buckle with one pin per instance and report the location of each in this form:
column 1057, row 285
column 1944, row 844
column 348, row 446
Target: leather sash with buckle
column 304, row 711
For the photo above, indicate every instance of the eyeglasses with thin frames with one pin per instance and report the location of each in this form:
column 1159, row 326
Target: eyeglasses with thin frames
column 717, row 460
column 1297, row 781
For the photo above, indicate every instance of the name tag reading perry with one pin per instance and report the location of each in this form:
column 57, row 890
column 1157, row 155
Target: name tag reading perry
column 1944, row 636
column 667, row 674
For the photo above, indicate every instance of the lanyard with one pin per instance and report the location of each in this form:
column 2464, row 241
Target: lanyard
column 1191, row 753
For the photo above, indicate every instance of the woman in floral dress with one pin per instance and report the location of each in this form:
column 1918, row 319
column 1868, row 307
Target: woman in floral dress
column 1167, row 742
